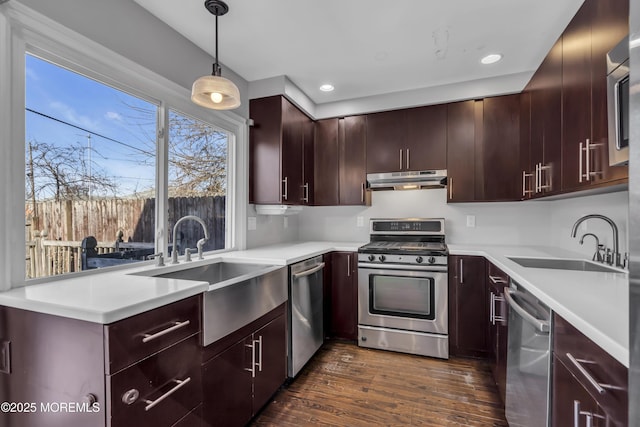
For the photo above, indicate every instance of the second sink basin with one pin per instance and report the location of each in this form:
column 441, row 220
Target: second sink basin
column 564, row 264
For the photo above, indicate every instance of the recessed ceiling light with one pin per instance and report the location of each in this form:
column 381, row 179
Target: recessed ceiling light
column 327, row 88
column 492, row 58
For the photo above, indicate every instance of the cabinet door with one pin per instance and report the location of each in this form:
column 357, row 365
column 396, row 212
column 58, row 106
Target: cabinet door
column 426, row 138
column 461, row 141
column 265, row 140
column 551, row 176
column 291, row 153
column 386, row 140
column 344, row 295
column 352, row 160
column 326, row 164
column 468, row 308
column 271, row 359
column 227, row 386
column 308, row 153
column 610, row 24
column 576, row 98
column 526, row 171
column 571, row 405
column 500, row 147
column 496, row 281
column 49, row 359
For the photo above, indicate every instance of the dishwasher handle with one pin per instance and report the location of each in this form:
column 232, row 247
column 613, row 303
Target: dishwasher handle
column 309, row 271
column 539, row 324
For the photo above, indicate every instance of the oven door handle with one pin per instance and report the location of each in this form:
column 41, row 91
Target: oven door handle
column 437, row 268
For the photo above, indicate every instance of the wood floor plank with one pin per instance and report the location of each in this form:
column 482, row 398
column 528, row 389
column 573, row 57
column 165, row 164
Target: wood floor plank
column 345, row 385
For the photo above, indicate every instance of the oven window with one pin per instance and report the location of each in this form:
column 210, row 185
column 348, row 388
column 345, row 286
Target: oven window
column 402, row 296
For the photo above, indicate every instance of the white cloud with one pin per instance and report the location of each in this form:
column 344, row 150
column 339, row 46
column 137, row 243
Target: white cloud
column 112, row 115
column 30, row 72
column 71, row 115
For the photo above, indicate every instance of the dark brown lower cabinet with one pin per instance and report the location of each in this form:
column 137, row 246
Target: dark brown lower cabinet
column 496, row 281
column 344, row 295
column 76, row 373
column 590, row 387
column 241, row 378
column 468, row 308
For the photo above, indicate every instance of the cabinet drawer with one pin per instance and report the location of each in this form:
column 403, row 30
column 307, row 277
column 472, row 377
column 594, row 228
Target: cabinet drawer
column 192, row 419
column 159, row 390
column 137, row 337
column 599, row 373
column 496, row 278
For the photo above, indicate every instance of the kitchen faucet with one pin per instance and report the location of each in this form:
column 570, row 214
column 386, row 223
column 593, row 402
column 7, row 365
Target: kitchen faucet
column 201, row 242
column 611, row 258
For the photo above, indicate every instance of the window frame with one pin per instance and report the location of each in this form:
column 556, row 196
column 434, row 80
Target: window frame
column 24, row 31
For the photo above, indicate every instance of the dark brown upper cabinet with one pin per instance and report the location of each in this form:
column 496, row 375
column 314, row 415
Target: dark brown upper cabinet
column 483, row 148
column 407, row 140
column 279, row 139
column 544, row 142
column 340, row 162
column 461, row 156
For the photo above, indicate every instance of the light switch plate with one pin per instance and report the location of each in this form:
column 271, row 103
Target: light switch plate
column 471, row 220
column 252, row 223
column 360, row 221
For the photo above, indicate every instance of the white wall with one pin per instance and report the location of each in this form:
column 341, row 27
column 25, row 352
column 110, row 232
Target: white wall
column 545, row 223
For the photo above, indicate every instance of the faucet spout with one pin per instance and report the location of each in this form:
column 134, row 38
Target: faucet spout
column 614, row 229
column 201, row 242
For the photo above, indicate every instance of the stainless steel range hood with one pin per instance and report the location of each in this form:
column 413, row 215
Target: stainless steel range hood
column 409, row 180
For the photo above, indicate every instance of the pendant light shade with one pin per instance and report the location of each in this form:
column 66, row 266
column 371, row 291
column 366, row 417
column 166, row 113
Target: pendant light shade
column 215, row 91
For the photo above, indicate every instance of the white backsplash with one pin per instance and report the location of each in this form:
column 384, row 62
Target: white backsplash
column 545, row 223
column 270, row 229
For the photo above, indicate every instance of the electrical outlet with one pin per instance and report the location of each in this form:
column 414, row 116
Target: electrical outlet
column 471, row 220
column 252, row 223
column 360, row 221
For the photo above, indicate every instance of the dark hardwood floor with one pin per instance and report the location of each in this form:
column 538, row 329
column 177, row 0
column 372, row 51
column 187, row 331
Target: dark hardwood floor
column 345, row 385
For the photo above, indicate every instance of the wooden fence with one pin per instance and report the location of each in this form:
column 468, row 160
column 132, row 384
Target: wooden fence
column 118, row 224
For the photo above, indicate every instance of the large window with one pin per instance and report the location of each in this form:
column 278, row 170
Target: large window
column 91, row 170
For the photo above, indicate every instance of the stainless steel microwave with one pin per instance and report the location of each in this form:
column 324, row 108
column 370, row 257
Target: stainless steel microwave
column 618, row 102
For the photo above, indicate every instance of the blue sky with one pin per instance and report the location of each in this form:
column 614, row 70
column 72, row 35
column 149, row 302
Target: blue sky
column 77, row 100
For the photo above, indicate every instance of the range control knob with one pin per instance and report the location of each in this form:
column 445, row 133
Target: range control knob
column 372, row 257
column 419, row 260
column 381, row 258
column 432, row 260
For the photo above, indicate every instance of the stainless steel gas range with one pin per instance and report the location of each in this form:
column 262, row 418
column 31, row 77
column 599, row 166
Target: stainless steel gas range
column 402, row 287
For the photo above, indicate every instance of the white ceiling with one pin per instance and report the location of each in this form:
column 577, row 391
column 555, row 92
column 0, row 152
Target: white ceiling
column 372, row 47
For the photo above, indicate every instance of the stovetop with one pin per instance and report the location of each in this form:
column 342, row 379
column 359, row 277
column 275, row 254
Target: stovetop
column 405, row 247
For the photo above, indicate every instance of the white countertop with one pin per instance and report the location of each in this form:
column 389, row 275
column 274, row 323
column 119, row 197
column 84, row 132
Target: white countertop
column 597, row 304
column 112, row 295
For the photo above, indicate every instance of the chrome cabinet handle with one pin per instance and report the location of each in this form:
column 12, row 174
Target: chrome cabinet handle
column 401, row 159
column 525, row 175
column 253, row 358
column 580, row 174
column 178, row 386
column 492, row 308
column 309, row 271
column 362, row 193
column 578, row 364
column 497, row 279
column 305, row 197
column 587, row 161
column 450, row 184
column 175, row 327
column 537, row 189
column 285, row 194
column 348, row 265
column 259, row 353
column 408, row 167
column 461, row 271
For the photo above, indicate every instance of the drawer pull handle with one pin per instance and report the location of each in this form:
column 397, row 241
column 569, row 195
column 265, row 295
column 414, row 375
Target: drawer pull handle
column 497, row 279
column 178, row 386
column 585, row 373
column 175, row 327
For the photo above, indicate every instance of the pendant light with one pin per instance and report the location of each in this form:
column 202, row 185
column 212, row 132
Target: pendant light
column 215, row 91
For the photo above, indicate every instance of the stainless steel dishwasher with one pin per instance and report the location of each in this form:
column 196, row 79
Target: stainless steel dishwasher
column 306, row 333
column 528, row 359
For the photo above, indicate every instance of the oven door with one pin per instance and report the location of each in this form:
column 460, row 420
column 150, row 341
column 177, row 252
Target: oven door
column 403, row 297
